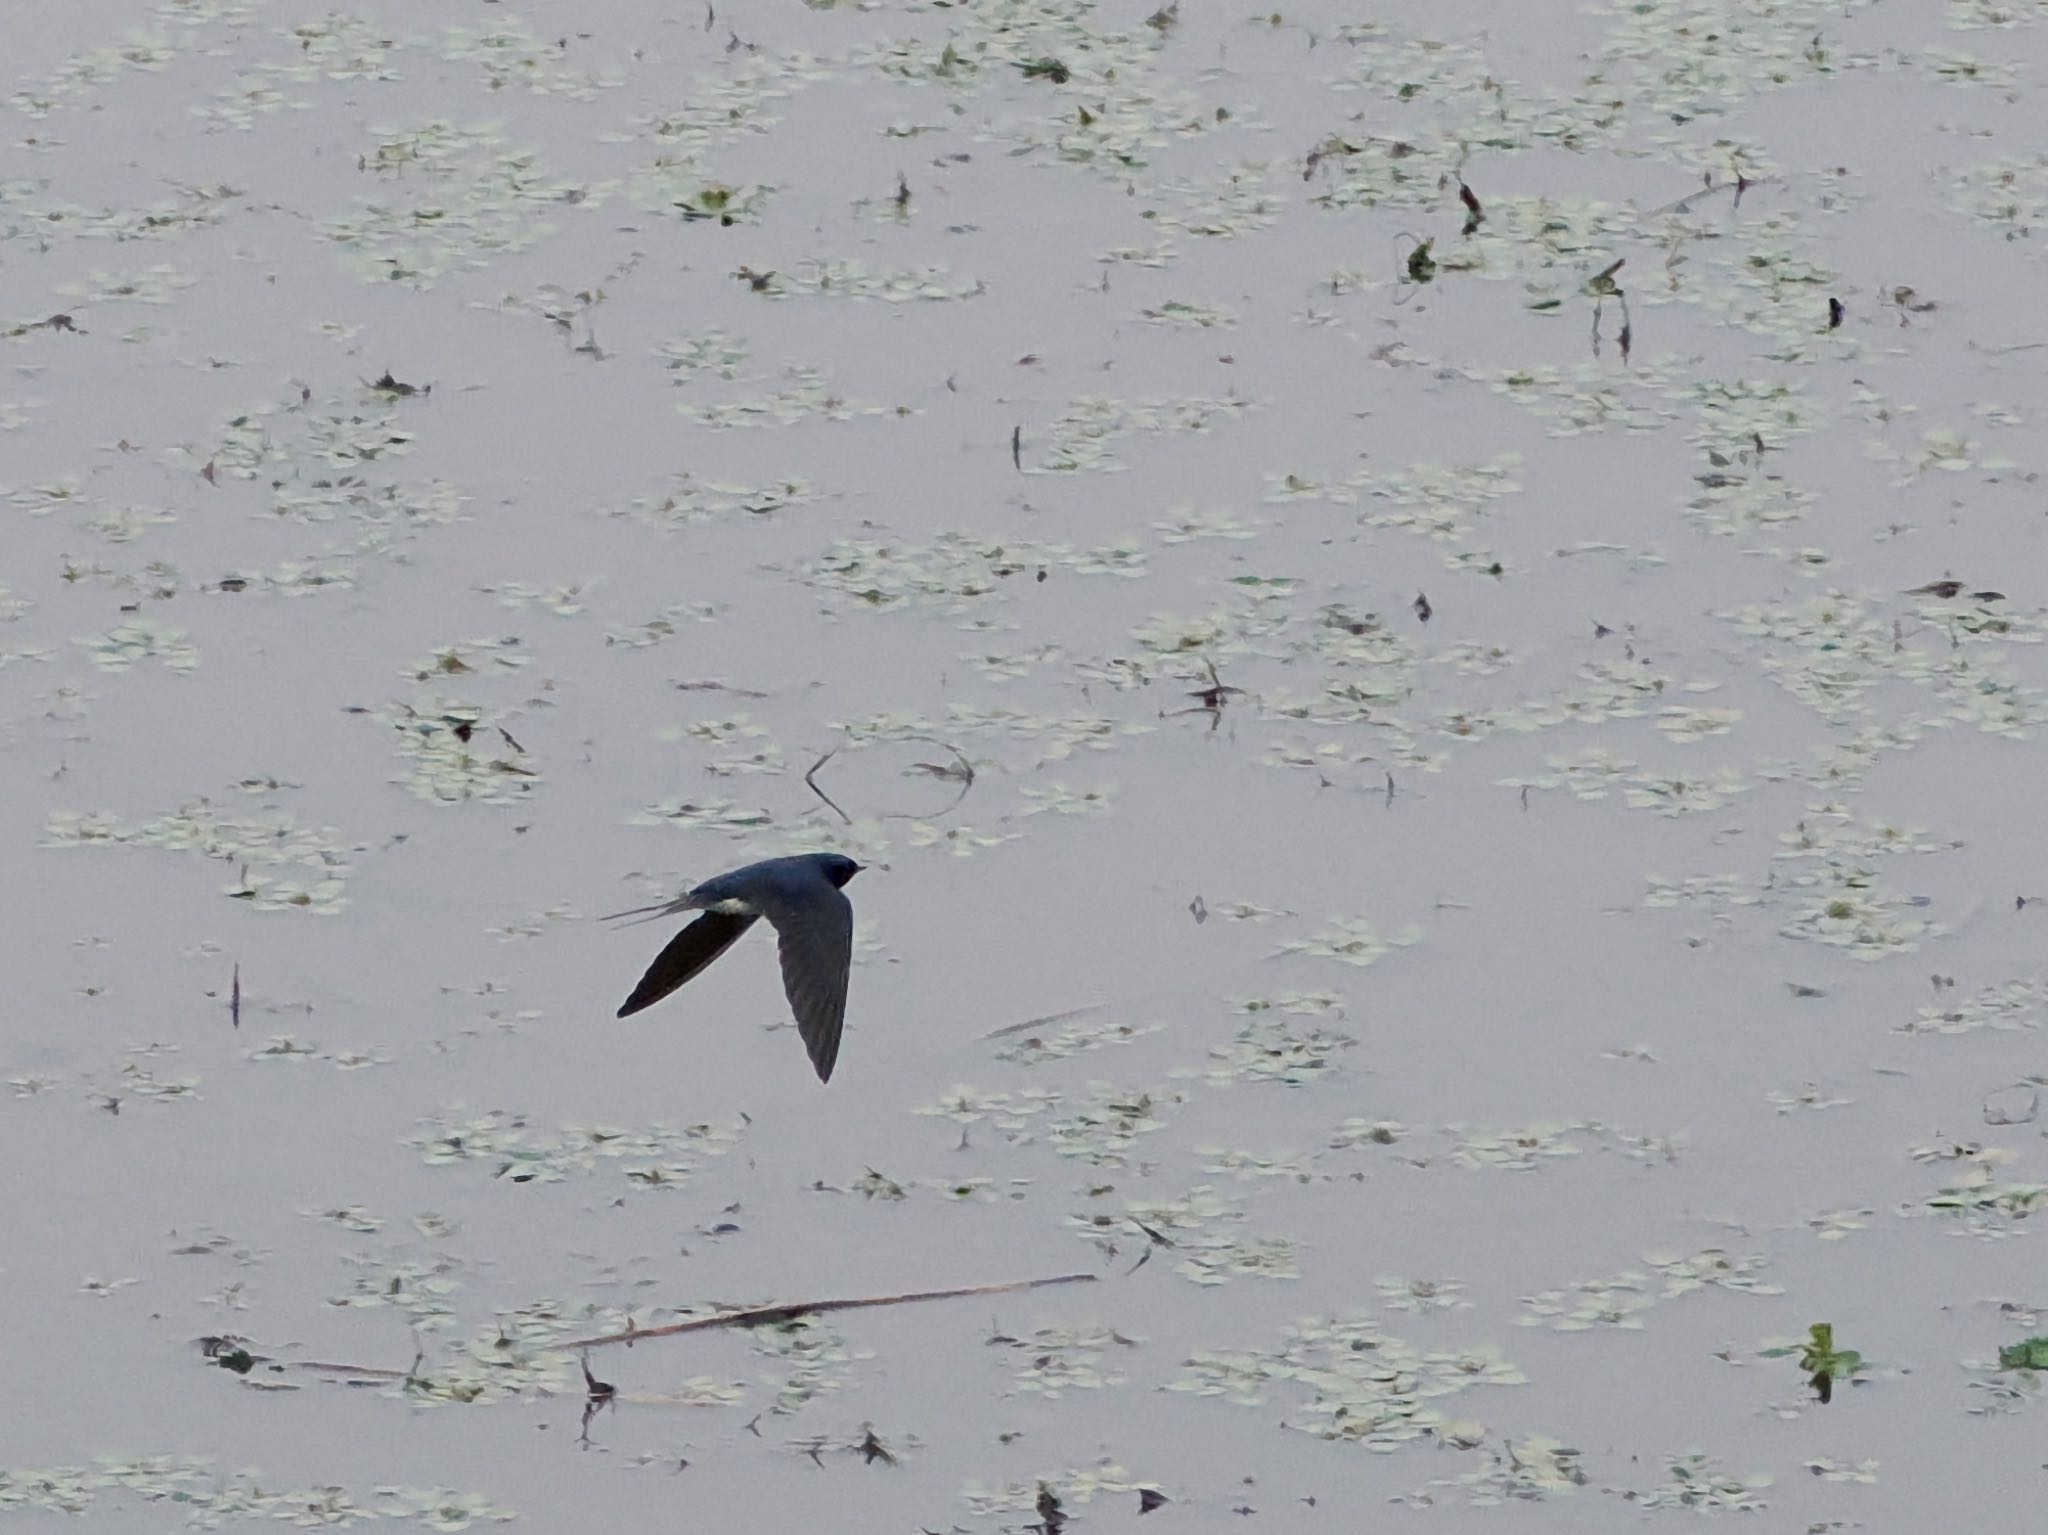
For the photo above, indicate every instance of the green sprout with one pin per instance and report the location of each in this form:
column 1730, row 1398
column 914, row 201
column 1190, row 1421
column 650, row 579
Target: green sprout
column 1420, row 264
column 1823, row 1363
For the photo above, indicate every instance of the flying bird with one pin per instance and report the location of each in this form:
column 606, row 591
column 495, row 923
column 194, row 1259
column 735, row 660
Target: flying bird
column 804, row 900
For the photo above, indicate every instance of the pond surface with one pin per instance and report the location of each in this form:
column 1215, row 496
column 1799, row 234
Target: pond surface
column 1433, row 625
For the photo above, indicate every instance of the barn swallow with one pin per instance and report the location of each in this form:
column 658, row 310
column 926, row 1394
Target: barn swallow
column 804, row 901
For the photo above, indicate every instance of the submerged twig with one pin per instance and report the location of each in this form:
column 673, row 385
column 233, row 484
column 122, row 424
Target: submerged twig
column 1741, row 184
column 1044, row 1018
column 232, row 1353
column 1474, row 214
column 811, row 778
column 962, row 771
column 1211, row 699
column 598, row 1395
column 761, row 1316
column 1602, row 286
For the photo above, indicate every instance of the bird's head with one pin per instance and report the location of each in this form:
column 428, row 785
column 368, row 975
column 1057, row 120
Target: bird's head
column 838, row 868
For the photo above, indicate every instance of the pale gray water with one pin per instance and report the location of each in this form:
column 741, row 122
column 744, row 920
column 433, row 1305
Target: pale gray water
column 1676, row 738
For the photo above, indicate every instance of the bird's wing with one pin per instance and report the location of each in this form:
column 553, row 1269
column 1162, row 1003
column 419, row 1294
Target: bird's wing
column 688, row 952
column 816, row 941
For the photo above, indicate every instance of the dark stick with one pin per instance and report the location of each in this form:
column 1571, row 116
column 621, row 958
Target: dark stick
column 811, row 778
column 751, row 1316
column 758, row 1316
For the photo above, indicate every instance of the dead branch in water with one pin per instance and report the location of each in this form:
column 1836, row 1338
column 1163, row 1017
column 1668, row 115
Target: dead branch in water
column 811, row 778
column 762, row 1316
column 230, row 1353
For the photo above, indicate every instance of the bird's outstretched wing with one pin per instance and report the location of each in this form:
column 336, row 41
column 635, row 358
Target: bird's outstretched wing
column 688, row 952
column 815, row 936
